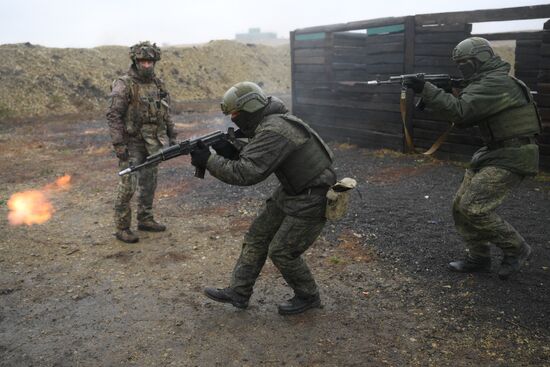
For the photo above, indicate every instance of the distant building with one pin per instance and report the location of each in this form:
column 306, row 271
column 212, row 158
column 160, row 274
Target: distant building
column 255, row 35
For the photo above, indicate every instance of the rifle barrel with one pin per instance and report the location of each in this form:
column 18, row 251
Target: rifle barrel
column 125, row 171
column 182, row 148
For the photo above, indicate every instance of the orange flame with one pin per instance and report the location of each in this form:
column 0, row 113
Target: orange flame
column 29, row 207
column 33, row 206
column 62, row 183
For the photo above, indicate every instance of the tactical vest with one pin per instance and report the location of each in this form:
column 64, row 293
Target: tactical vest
column 305, row 163
column 515, row 122
column 148, row 105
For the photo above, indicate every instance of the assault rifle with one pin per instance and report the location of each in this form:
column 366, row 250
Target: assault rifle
column 183, row 148
column 443, row 81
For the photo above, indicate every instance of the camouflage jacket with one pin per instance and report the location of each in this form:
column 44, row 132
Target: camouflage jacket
column 489, row 93
column 265, row 152
column 121, row 103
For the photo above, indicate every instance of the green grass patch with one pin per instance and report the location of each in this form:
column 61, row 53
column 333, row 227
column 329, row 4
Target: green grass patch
column 336, row 260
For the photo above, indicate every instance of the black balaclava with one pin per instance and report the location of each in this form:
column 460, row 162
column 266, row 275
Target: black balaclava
column 248, row 122
column 469, row 68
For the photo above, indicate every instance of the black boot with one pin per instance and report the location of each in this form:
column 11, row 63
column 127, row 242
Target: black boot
column 297, row 305
column 226, row 295
column 469, row 265
column 511, row 264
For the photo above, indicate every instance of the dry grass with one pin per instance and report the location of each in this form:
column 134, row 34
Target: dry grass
column 41, row 81
column 506, row 50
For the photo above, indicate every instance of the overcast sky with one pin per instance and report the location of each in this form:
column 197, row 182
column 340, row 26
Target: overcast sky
column 72, row 23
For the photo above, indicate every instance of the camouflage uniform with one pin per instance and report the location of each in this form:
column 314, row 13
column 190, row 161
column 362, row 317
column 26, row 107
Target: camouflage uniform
column 294, row 215
column 503, row 109
column 138, row 116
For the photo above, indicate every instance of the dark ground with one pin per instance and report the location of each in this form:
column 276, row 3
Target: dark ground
column 71, row 295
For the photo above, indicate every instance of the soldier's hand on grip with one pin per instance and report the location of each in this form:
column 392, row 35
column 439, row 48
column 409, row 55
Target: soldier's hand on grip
column 226, row 149
column 415, row 83
column 200, row 155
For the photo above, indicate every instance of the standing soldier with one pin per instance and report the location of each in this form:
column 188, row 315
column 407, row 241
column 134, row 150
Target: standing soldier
column 294, row 216
column 503, row 109
column 137, row 116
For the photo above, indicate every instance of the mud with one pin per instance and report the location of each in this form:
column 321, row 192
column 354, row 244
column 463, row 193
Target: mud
column 71, row 295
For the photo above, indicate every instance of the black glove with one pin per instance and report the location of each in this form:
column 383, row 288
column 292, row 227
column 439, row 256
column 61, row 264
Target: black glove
column 239, row 134
column 121, row 152
column 415, row 83
column 225, row 149
column 200, row 155
column 172, row 141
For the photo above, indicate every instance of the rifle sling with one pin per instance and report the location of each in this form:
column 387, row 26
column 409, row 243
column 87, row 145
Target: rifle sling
column 403, row 109
column 439, row 142
column 408, row 139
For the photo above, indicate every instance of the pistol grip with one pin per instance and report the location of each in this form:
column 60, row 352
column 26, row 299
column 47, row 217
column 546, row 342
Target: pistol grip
column 199, row 172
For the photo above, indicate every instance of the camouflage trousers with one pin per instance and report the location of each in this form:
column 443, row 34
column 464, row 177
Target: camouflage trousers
column 284, row 239
column 145, row 180
column 474, row 212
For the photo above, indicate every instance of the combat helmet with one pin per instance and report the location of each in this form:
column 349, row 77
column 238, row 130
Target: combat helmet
column 145, row 51
column 243, row 96
column 473, row 48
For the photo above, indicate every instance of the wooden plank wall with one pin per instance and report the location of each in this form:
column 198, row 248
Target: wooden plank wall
column 543, row 96
column 527, row 59
column 433, row 48
column 367, row 116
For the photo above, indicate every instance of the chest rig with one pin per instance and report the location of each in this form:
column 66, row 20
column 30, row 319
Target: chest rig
column 148, row 105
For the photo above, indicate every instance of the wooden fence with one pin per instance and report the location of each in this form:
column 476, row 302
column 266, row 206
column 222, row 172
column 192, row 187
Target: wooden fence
column 327, row 60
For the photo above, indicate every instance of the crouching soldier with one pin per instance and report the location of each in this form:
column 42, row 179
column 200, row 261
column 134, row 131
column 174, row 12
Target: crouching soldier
column 294, row 216
column 503, row 109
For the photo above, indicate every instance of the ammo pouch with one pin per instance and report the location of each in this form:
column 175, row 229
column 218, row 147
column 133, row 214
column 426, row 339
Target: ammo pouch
column 338, row 198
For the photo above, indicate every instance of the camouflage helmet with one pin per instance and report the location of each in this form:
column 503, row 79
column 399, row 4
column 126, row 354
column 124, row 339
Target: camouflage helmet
column 145, row 51
column 473, row 48
column 243, row 96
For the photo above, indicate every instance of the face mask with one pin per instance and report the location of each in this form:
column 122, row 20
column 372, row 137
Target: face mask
column 467, row 69
column 243, row 122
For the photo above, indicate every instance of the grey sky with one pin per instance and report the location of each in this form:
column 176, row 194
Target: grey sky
column 72, row 23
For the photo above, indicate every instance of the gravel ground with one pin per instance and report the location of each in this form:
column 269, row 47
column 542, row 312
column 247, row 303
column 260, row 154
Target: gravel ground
column 71, row 295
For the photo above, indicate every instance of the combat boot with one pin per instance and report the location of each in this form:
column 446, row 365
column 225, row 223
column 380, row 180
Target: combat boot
column 150, row 225
column 297, row 305
column 226, row 295
column 511, row 264
column 469, row 265
column 126, row 235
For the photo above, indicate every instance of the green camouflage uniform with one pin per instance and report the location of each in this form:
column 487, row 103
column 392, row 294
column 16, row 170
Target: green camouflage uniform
column 294, row 215
column 137, row 116
column 503, row 110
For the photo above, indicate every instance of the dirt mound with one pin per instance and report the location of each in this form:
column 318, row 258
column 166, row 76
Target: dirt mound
column 41, row 81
